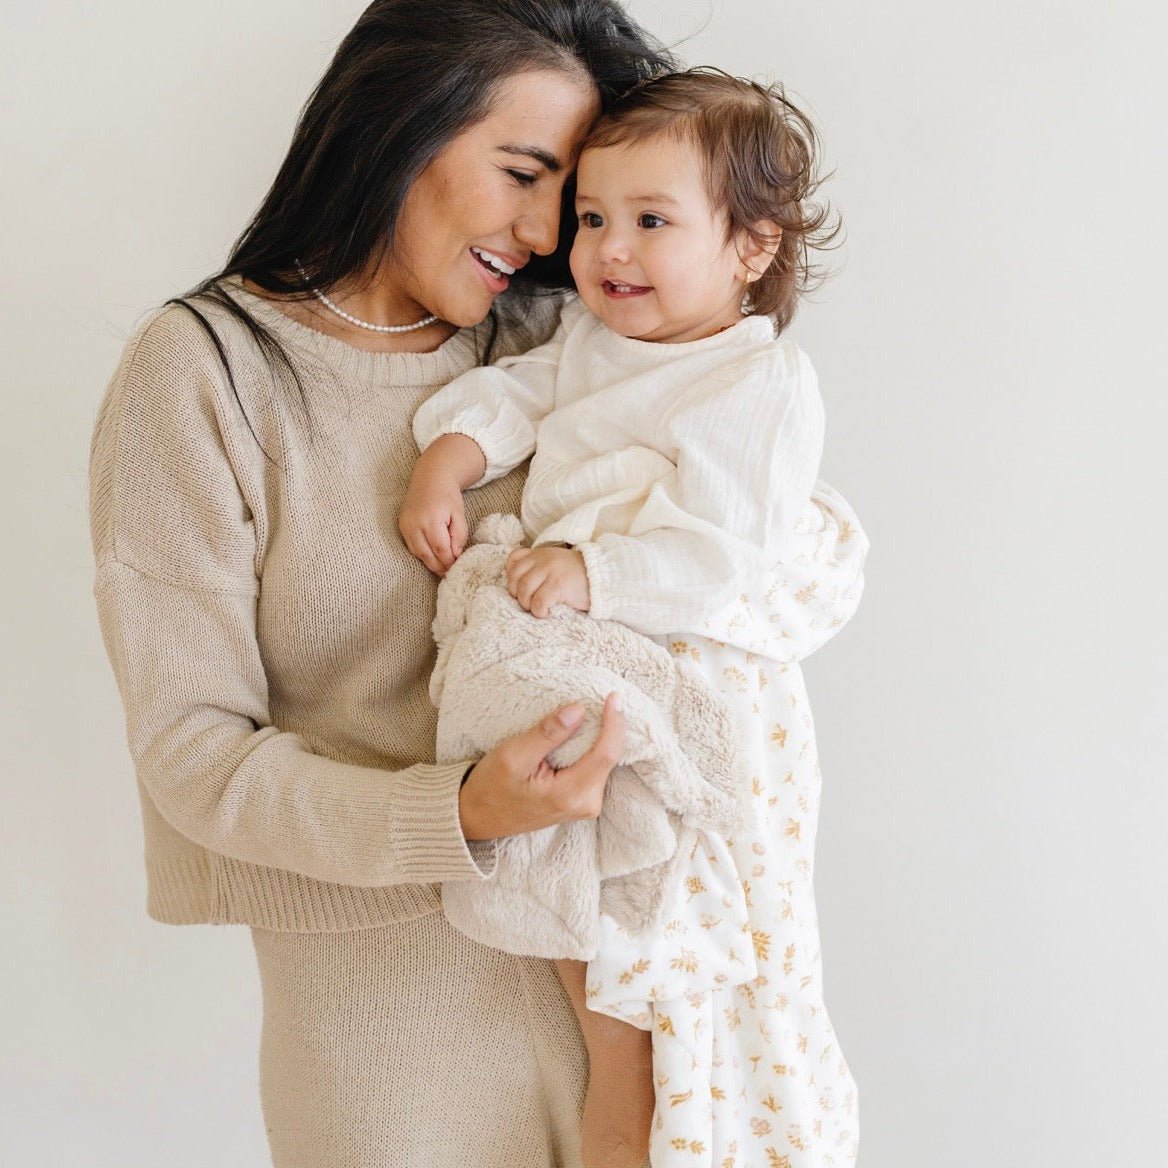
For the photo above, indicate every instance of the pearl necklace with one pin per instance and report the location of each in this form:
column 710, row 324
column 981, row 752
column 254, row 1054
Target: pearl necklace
column 373, row 328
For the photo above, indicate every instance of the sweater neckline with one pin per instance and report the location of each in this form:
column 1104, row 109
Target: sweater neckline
column 454, row 356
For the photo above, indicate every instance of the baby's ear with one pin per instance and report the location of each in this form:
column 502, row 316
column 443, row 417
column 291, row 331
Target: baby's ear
column 757, row 247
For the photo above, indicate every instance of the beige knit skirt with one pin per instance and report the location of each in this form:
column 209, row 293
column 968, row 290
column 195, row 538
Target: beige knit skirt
column 409, row 1046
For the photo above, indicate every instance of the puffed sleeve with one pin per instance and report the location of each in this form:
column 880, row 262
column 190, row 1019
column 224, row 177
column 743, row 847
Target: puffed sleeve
column 499, row 406
column 748, row 440
column 175, row 539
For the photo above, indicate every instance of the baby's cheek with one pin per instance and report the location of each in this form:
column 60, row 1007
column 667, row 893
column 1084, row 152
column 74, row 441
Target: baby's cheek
column 580, row 262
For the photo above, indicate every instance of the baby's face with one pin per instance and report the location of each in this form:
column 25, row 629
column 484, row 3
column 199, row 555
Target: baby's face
column 651, row 257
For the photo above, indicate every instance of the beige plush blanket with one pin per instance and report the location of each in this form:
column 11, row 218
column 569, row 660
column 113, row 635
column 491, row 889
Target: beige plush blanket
column 499, row 670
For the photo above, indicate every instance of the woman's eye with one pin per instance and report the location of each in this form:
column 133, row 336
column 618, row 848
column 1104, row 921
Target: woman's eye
column 590, row 219
column 649, row 220
column 523, row 177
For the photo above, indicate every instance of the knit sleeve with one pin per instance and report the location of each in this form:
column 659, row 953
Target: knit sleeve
column 748, row 441
column 499, row 406
column 177, row 586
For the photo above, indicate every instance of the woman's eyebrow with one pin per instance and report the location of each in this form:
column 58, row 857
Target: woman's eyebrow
column 541, row 156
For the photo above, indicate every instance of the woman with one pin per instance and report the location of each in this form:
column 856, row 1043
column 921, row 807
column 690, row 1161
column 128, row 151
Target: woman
column 270, row 632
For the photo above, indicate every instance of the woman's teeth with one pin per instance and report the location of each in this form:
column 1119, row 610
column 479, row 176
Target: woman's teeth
column 493, row 262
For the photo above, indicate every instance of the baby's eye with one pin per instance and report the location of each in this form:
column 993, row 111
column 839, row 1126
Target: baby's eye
column 590, row 219
column 649, row 220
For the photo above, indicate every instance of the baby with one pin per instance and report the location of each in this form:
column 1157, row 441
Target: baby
column 676, row 442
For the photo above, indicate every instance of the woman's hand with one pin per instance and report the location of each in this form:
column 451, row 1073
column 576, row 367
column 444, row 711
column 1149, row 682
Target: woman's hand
column 512, row 788
column 543, row 576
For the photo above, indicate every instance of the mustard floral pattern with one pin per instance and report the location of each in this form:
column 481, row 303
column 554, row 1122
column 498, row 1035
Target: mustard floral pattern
column 748, row 1070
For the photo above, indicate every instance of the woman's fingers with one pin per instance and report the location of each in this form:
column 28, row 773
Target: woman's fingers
column 582, row 784
column 528, row 751
column 611, row 743
column 514, row 789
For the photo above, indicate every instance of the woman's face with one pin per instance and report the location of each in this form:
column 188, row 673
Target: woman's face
column 490, row 198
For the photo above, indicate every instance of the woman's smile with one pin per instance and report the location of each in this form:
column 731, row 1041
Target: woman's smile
column 490, row 199
column 494, row 269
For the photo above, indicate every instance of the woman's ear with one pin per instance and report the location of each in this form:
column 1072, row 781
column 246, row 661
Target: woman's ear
column 757, row 247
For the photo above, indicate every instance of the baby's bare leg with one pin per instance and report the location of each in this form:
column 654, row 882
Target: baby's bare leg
column 618, row 1108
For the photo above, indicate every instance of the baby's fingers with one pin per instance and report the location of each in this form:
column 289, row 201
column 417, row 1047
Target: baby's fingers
column 515, row 561
column 542, row 599
column 427, row 538
column 519, row 563
column 416, row 542
column 526, row 584
column 436, row 532
column 458, row 532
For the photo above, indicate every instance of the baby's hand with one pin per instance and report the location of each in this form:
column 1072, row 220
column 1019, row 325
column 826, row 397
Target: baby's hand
column 543, row 576
column 432, row 519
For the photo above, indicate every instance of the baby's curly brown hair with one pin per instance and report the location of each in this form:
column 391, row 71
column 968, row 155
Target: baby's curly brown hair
column 760, row 160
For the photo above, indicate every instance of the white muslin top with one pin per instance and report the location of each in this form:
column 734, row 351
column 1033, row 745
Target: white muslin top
column 676, row 469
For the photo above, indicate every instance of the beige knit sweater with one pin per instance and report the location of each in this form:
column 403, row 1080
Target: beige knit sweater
column 269, row 632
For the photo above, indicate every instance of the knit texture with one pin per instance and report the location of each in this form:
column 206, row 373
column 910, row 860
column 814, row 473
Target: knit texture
column 408, row 1046
column 269, row 631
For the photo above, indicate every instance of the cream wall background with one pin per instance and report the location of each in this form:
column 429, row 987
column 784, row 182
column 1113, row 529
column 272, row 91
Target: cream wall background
column 993, row 358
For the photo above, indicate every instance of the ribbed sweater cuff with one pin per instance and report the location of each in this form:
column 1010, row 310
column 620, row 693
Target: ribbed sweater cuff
column 428, row 843
column 179, row 889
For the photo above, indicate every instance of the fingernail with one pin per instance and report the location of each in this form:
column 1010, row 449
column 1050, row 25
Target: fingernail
column 616, row 703
column 571, row 715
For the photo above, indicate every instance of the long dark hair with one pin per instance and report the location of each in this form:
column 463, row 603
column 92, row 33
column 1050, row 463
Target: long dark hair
column 407, row 79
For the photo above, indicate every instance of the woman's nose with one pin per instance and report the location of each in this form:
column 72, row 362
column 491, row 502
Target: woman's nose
column 539, row 228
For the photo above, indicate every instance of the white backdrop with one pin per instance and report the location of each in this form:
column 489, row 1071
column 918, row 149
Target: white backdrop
column 993, row 360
